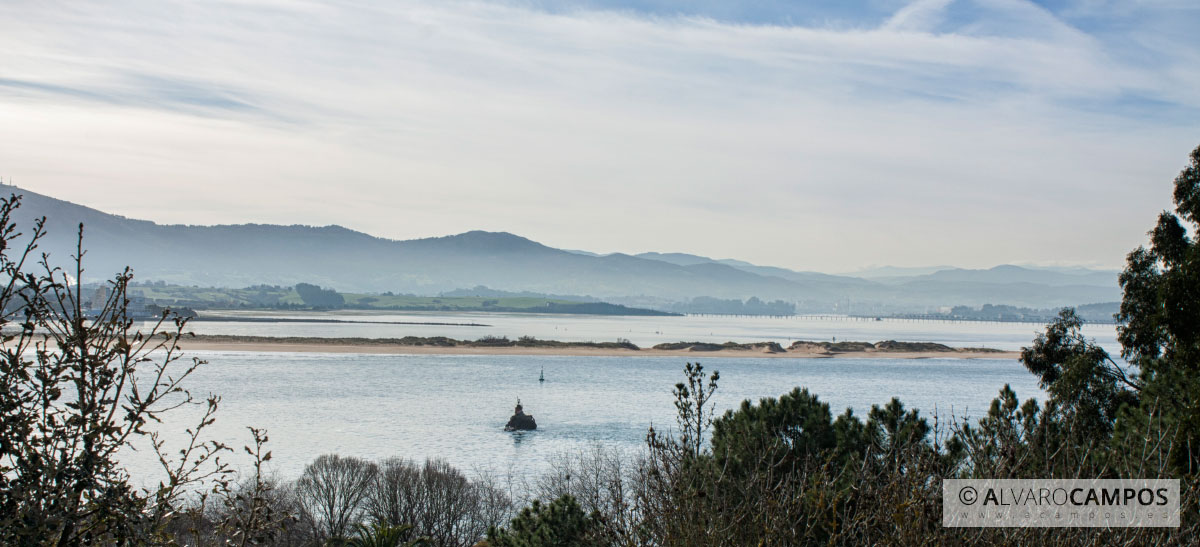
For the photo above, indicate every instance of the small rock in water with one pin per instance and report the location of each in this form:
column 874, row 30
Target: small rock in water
column 520, row 421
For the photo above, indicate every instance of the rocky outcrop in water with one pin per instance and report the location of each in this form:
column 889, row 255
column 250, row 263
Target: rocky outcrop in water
column 520, row 421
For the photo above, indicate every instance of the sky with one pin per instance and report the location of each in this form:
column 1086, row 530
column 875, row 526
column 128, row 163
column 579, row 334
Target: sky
column 824, row 135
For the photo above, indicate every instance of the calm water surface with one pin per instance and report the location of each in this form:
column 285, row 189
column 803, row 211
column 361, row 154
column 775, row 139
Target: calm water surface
column 644, row 331
column 454, row 406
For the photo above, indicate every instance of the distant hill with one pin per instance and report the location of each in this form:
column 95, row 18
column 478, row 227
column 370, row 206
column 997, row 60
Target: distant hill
column 1015, row 285
column 827, row 280
column 1013, row 274
column 350, row 261
column 895, row 271
column 682, row 259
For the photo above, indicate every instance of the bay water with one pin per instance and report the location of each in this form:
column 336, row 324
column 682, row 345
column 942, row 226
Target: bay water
column 454, row 407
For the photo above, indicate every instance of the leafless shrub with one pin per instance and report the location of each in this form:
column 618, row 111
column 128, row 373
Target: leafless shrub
column 602, row 480
column 79, row 383
column 437, row 500
column 332, row 494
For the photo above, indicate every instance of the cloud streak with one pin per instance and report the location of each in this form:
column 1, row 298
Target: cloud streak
column 965, row 131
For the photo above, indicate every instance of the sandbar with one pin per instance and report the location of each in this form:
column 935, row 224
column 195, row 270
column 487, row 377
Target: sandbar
column 368, row 346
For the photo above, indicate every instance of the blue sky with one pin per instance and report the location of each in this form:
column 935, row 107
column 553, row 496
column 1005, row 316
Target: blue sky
column 814, row 135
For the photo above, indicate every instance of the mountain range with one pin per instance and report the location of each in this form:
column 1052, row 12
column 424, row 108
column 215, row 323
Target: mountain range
column 336, row 257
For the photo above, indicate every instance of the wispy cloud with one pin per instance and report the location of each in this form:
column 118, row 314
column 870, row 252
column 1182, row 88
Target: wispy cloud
column 139, row 91
column 940, row 130
column 918, row 16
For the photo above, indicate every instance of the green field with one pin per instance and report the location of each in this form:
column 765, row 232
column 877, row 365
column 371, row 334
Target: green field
column 275, row 297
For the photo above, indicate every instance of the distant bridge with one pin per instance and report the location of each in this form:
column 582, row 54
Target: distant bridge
column 906, row 318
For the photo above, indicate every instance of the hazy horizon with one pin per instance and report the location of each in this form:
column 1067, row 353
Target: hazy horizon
column 823, row 137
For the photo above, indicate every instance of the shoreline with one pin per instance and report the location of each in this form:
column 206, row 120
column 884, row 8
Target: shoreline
column 386, row 347
column 235, row 319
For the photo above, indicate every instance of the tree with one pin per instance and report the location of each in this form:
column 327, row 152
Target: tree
column 76, row 389
column 254, row 512
column 766, row 454
column 1159, row 335
column 317, row 297
column 892, row 430
column 562, row 523
column 782, row 431
column 1084, row 382
column 436, row 500
column 332, row 493
column 690, row 400
column 381, row 535
column 1160, row 312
